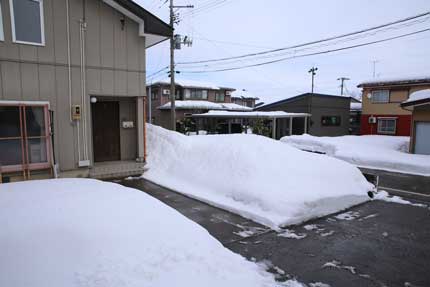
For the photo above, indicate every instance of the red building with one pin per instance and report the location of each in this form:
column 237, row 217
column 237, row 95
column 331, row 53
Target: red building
column 381, row 111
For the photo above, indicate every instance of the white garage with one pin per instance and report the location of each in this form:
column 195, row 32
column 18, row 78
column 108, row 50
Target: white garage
column 422, row 138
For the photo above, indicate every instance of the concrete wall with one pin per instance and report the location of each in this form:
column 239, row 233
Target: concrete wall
column 115, row 66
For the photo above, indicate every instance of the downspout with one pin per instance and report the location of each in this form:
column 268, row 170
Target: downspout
column 69, row 70
column 82, row 29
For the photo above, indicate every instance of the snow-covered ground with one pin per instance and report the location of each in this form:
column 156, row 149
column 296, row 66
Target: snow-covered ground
column 254, row 176
column 82, row 232
column 372, row 151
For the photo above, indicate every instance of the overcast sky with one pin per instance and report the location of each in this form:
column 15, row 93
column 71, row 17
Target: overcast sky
column 255, row 26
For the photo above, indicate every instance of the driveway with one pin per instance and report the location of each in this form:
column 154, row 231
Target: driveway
column 374, row 244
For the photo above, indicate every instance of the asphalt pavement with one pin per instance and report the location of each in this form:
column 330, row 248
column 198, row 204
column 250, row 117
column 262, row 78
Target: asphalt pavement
column 374, row 244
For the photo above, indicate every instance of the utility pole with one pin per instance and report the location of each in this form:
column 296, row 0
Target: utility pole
column 172, row 62
column 313, row 72
column 342, row 85
column 374, row 67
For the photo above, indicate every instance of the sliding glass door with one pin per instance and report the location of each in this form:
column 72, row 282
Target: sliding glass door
column 24, row 137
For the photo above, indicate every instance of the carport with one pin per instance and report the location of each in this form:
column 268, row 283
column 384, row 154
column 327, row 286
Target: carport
column 282, row 123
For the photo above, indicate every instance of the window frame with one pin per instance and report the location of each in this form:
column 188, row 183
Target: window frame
column 218, row 96
column 42, row 25
column 379, row 124
column 339, row 118
column 380, row 102
column 1, row 24
column 24, row 138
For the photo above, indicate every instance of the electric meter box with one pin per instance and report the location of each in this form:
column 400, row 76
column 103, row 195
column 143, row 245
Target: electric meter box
column 76, row 112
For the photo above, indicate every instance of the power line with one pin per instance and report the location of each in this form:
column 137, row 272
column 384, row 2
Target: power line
column 312, row 54
column 295, row 51
column 310, row 43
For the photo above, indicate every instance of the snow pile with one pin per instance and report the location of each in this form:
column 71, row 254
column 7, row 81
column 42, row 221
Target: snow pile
column 81, row 232
column 254, row 176
column 419, row 95
column 384, row 196
column 371, row 151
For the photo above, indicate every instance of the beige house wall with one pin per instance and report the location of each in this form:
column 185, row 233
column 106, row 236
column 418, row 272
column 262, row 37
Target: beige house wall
column 115, row 66
column 397, row 95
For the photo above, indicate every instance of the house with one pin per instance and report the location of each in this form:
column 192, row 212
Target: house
column 419, row 104
column 72, row 87
column 381, row 112
column 243, row 98
column 192, row 97
column 329, row 113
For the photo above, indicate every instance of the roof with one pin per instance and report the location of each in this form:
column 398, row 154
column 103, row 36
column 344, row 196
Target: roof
column 243, row 115
column 411, row 80
column 300, row 96
column 243, row 94
column 204, row 105
column 356, row 107
column 153, row 28
column 417, row 98
column 191, row 84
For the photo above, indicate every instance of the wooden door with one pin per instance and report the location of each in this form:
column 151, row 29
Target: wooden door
column 106, row 137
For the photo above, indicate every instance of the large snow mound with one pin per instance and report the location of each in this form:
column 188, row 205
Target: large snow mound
column 81, row 232
column 371, row 151
column 254, row 176
column 419, row 95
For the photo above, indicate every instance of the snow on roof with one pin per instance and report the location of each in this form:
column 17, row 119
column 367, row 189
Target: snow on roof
column 190, row 84
column 204, row 105
column 185, row 105
column 355, row 106
column 276, row 114
column 396, row 80
column 418, row 96
column 243, row 94
column 235, row 107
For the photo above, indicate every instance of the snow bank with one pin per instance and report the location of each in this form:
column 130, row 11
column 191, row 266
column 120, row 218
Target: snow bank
column 81, row 232
column 373, row 151
column 254, row 176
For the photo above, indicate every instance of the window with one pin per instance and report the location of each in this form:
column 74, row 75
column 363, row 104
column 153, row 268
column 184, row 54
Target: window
column 1, row 25
column 27, row 21
column 219, row 97
column 196, row 94
column 387, row 126
column 330, row 121
column 24, row 137
column 154, row 95
column 381, row 96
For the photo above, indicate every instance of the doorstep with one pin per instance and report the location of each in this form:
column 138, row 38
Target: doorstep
column 116, row 169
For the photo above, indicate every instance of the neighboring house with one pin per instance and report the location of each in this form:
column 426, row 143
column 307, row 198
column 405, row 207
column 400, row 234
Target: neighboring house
column 192, row 97
column 243, row 98
column 72, row 86
column 419, row 104
column 381, row 100
column 355, row 117
column 329, row 113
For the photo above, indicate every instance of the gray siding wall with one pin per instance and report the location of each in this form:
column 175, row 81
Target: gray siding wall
column 325, row 106
column 320, row 106
column 115, row 66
